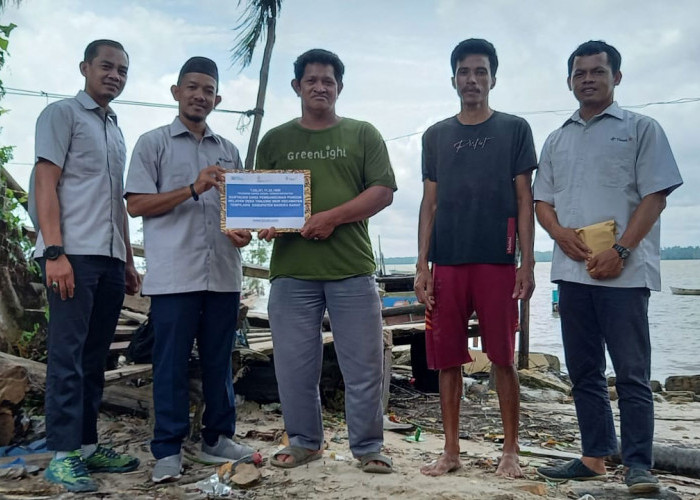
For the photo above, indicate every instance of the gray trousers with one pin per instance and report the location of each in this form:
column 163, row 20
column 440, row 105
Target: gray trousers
column 296, row 309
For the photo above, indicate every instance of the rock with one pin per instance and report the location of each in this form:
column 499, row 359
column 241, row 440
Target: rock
column 14, row 384
column 530, row 395
column 612, row 391
column 246, row 475
column 679, row 396
column 542, row 380
column 656, row 386
column 684, row 383
column 401, row 355
column 537, row 362
column 534, row 488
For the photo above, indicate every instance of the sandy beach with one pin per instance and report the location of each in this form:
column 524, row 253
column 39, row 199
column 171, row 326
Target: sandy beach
column 548, row 427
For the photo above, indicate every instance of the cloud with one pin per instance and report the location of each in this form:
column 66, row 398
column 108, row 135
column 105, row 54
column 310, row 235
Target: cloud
column 398, row 76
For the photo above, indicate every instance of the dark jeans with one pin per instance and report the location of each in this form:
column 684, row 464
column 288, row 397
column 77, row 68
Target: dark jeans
column 178, row 319
column 591, row 318
column 80, row 332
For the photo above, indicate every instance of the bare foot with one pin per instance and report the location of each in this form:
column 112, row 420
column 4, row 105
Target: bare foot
column 446, row 463
column 508, row 466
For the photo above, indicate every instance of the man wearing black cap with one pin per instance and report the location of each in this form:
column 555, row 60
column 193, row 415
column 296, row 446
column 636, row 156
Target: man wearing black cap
column 193, row 269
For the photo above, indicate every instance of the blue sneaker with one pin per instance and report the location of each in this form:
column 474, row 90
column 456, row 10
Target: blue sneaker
column 70, row 472
column 105, row 459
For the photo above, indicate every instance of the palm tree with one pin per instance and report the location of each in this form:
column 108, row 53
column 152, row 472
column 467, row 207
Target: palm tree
column 260, row 16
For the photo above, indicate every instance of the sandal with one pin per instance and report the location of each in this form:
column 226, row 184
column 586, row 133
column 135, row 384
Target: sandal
column 300, row 455
column 368, row 466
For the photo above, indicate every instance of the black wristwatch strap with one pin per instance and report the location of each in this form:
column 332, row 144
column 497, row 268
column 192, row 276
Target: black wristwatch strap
column 195, row 196
column 621, row 251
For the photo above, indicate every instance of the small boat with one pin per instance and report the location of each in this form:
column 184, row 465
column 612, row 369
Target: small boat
column 684, row 291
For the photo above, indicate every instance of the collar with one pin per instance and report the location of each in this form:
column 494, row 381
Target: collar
column 613, row 110
column 178, row 128
column 89, row 103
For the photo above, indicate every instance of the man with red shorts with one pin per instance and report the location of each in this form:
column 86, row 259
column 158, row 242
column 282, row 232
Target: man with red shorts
column 477, row 199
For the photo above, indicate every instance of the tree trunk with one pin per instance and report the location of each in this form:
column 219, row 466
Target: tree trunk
column 262, row 89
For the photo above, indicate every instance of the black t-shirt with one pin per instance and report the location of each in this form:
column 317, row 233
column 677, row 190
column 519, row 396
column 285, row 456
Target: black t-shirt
column 475, row 167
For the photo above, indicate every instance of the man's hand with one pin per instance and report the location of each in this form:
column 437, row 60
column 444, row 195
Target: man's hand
column 524, row 282
column 571, row 244
column 423, row 286
column 132, row 279
column 319, row 226
column 60, row 272
column 209, row 178
column 239, row 237
column 268, row 234
column 606, row 265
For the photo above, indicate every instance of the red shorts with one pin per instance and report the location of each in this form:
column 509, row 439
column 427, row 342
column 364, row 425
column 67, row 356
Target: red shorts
column 459, row 291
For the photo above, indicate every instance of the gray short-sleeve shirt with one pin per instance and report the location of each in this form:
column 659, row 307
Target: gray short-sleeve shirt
column 600, row 170
column 84, row 140
column 185, row 248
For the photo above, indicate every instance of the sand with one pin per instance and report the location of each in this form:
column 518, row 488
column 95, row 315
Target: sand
column 338, row 476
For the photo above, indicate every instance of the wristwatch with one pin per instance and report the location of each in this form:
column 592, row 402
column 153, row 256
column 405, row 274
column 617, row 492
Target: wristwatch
column 53, row 252
column 622, row 251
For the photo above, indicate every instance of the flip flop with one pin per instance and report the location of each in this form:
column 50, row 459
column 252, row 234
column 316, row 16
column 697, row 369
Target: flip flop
column 368, row 466
column 300, row 455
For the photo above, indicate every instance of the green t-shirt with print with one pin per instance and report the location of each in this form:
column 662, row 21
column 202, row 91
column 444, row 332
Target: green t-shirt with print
column 344, row 160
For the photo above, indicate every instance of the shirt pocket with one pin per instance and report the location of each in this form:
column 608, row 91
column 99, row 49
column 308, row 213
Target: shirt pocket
column 615, row 164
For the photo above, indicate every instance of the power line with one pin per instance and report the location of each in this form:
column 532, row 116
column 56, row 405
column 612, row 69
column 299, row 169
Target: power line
column 52, row 95
column 682, row 100
column 251, row 112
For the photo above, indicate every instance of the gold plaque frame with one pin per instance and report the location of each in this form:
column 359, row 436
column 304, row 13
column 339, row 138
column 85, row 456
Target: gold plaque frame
column 306, row 190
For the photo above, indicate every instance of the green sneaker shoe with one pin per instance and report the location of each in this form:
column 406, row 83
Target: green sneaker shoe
column 71, row 473
column 107, row 460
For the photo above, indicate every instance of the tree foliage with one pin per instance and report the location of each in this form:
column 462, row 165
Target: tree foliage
column 253, row 23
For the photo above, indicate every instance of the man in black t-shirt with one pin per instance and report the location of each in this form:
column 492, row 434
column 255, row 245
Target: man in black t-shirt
column 477, row 201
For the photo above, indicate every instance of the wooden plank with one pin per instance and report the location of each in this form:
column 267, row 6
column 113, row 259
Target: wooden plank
column 255, row 271
column 266, row 347
column 119, row 346
column 112, row 376
column 137, row 400
column 134, row 316
column 524, row 338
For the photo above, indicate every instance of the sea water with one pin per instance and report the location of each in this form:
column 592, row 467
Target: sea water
column 674, row 320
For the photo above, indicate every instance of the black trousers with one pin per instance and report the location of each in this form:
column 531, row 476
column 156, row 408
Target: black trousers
column 80, row 332
column 593, row 318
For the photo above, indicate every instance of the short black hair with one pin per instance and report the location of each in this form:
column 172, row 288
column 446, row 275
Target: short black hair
column 320, row 56
column 474, row 46
column 593, row 47
column 92, row 48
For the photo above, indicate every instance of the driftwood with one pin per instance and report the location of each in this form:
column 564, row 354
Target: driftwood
column 673, row 459
column 136, row 400
column 37, row 371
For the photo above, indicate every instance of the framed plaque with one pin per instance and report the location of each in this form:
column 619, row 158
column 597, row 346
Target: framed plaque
column 259, row 199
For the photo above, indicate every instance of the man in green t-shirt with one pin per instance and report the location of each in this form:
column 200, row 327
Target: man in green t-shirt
column 328, row 265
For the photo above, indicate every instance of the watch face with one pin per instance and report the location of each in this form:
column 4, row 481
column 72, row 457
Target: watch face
column 53, row 252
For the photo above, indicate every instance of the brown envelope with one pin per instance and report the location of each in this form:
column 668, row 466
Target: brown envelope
column 599, row 236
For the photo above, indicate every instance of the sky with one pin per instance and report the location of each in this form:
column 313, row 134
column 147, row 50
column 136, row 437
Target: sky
column 396, row 54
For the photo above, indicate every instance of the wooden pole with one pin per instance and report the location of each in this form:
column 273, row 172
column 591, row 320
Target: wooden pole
column 524, row 341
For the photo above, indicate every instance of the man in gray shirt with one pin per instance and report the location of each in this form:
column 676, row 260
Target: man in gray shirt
column 84, row 252
column 193, row 269
column 606, row 163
